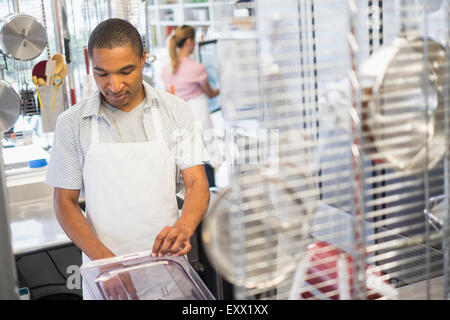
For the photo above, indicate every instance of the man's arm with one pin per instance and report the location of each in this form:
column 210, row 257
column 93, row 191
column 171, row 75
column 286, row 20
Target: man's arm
column 77, row 228
column 196, row 202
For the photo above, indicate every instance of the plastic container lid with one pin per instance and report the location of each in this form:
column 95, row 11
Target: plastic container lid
column 140, row 276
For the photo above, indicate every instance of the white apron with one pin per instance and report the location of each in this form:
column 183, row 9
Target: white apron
column 200, row 108
column 129, row 191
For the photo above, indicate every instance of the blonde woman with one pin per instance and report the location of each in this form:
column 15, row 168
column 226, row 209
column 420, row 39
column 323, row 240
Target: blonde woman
column 188, row 80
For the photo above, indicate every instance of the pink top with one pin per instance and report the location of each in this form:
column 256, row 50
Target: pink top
column 188, row 79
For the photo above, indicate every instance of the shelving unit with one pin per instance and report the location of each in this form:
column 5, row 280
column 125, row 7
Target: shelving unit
column 165, row 15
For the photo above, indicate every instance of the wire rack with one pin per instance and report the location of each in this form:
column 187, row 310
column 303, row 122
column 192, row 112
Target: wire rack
column 337, row 149
column 92, row 12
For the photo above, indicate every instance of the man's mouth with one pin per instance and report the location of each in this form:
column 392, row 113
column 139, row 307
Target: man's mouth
column 117, row 96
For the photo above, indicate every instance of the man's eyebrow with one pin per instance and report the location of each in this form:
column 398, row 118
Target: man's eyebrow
column 98, row 69
column 130, row 66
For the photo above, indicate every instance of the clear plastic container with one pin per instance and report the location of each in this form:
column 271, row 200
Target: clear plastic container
column 139, row 276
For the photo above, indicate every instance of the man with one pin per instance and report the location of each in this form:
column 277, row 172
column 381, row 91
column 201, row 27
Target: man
column 121, row 149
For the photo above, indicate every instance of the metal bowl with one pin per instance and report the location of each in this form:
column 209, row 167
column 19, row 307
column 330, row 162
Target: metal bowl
column 403, row 103
column 22, row 37
column 256, row 235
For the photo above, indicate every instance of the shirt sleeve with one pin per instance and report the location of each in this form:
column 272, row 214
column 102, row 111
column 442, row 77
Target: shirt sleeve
column 64, row 168
column 190, row 149
column 201, row 75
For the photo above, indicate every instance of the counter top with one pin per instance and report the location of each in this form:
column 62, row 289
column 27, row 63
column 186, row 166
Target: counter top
column 34, row 226
column 31, row 216
column 418, row 291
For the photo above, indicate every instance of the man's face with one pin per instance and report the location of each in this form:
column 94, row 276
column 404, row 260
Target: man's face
column 118, row 74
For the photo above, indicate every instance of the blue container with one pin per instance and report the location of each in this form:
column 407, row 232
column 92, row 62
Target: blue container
column 39, row 163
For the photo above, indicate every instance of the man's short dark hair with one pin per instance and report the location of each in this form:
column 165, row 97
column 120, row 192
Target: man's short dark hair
column 113, row 33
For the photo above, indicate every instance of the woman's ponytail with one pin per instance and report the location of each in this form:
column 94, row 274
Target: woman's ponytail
column 177, row 40
column 174, row 61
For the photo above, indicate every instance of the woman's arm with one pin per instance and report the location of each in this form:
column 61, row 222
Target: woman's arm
column 206, row 88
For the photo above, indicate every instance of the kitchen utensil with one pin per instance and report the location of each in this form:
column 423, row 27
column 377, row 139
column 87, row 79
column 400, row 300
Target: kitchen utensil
column 255, row 239
column 57, row 81
column 28, row 106
column 49, row 71
column 150, row 58
column 59, row 62
column 402, row 88
column 63, row 71
column 59, row 73
column 436, row 211
column 10, row 106
column 22, row 37
column 36, row 83
column 39, row 69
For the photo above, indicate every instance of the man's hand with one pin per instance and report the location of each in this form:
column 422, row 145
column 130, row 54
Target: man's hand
column 172, row 241
column 116, row 288
column 175, row 240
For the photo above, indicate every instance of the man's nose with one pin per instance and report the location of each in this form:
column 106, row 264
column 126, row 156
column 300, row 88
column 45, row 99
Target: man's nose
column 115, row 84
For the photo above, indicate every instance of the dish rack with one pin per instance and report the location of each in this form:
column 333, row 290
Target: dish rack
column 337, row 149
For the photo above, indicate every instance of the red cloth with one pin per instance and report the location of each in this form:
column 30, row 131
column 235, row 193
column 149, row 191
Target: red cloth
column 323, row 257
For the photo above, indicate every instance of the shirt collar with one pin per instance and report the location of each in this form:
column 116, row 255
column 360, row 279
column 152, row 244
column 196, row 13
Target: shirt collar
column 92, row 106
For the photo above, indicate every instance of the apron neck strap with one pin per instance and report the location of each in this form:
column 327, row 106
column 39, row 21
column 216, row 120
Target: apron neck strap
column 157, row 122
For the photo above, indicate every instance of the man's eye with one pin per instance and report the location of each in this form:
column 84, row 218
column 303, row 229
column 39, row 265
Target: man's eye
column 126, row 72
column 102, row 74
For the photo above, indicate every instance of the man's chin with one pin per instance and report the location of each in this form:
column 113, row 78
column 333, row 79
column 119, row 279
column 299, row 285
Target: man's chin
column 116, row 103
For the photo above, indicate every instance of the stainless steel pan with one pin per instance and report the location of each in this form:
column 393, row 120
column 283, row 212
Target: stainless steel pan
column 22, row 37
column 403, row 103
column 9, row 104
